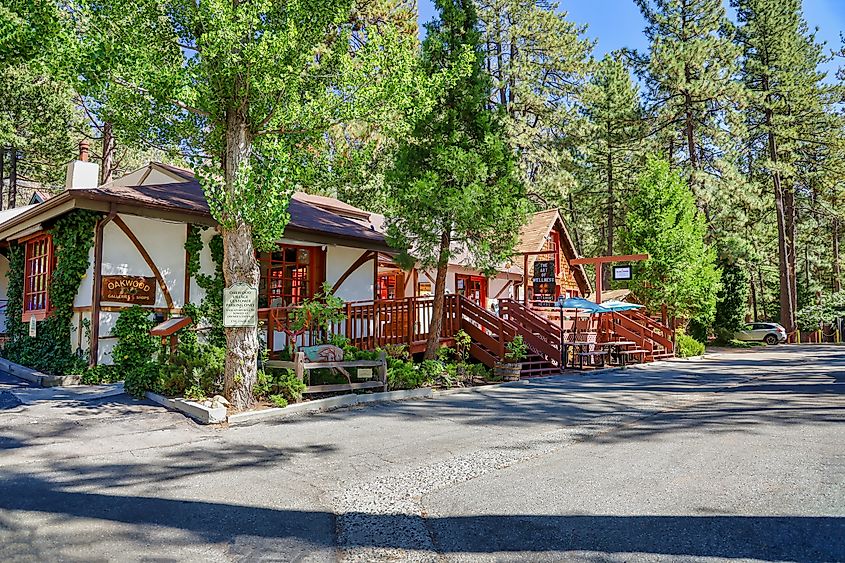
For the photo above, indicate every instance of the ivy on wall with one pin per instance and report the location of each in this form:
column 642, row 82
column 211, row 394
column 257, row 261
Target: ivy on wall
column 51, row 350
column 211, row 307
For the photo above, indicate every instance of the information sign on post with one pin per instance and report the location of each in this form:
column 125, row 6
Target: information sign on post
column 33, row 327
column 240, row 306
column 621, row 273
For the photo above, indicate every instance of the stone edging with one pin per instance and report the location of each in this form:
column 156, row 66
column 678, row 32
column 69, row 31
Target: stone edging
column 200, row 413
column 330, row 403
column 35, row 376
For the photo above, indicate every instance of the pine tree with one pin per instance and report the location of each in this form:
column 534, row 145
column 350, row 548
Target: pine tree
column 537, row 61
column 690, row 73
column 611, row 156
column 788, row 105
column 455, row 187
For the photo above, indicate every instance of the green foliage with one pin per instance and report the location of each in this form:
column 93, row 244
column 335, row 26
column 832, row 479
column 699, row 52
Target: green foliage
column 210, row 309
column 281, row 382
column 402, row 374
column 462, row 345
column 317, row 315
column 51, row 350
column 662, row 221
column 454, row 186
column 278, row 401
column 812, row 317
column 732, row 298
column 687, row 346
column 134, row 354
column 195, row 371
column 516, row 350
column 101, row 374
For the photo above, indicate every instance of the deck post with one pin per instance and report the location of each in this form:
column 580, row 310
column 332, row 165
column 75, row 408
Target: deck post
column 382, row 369
column 299, row 365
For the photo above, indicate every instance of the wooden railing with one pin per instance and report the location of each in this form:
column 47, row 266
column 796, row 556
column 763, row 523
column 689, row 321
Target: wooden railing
column 370, row 324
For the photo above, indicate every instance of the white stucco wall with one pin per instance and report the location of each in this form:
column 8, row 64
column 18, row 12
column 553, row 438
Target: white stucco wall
column 359, row 285
column 494, row 285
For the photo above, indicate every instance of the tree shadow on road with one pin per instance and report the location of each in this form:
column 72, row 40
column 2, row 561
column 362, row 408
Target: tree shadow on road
column 142, row 519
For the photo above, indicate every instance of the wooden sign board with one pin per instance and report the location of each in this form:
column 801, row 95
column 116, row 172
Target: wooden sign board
column 545, row 282
column 424, row 289
column 240, row 306
column 137, row 290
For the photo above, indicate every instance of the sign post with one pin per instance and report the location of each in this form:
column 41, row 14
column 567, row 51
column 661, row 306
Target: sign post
column 240, row 306
column 599, row 260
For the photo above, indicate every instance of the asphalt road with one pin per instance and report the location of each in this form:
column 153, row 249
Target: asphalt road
column 739, row 456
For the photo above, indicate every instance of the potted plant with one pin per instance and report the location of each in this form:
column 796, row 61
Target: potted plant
column 510, row 368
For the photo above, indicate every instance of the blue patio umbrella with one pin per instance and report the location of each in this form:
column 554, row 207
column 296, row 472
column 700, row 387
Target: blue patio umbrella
column 616, row 305
column 581, row 303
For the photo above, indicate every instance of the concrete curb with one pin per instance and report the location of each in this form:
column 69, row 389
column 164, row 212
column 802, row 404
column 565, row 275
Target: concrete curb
column 200, row 413
column 330, row 403
column 35, row 376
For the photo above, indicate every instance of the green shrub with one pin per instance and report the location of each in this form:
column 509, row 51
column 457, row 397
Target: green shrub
column 281, row 382
column 686, row 345
column 279, row 401
column 516, row 350
column 135, row 351
column 403, row 374
column 100, row 374
column 195, row 371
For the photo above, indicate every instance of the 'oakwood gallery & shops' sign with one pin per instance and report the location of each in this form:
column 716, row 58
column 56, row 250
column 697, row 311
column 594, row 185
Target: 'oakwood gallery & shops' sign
column 137, row 290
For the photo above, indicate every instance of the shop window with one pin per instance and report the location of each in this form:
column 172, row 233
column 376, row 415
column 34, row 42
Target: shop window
column 37, row 271
column 288, row 275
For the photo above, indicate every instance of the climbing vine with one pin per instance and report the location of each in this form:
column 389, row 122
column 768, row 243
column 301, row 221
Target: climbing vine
column 51, row 351
column 211, row 307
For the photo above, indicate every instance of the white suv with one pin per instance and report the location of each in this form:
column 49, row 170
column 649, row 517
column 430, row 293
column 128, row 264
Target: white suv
column 770, row 333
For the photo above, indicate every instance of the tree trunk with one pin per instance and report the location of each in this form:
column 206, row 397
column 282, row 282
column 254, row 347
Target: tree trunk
column 610, row 219
column 762, row 297
column 837, row 268
column 753, row 298
column 574, row 225
column 107, row 163
column 2, row 173
column 786, row 274
column 239, row 266
column 13, row 177
column 436, row 326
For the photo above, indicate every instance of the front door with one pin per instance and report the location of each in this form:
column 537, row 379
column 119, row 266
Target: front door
column 473, row 288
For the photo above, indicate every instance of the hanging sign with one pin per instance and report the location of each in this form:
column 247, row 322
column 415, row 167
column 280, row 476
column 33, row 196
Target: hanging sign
column 33, row 326
column 138, row 290
column 545, row 283
column 240, row 306
column 424, row 289
column 622, row 272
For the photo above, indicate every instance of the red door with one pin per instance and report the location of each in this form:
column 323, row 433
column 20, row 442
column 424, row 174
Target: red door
column 473, row 288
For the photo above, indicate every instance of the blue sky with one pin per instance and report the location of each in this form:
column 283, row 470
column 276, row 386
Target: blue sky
column 617, row 23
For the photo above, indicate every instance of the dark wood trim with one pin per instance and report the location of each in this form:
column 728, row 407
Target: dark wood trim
column 365, row 257
column 375, row 275
column 98, row 285
column 408, row 277
column 146, row 256
column 187, row 288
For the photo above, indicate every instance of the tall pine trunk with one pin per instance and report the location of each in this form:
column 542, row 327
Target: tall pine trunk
column 13, row 177
column 837, row 268
column 610, row 219
column 107, row 163
column 239, row 266
column 436, row 325
column 2, row 173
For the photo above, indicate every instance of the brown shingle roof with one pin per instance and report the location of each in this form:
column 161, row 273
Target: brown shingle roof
column 533, row 238
column 188, row 197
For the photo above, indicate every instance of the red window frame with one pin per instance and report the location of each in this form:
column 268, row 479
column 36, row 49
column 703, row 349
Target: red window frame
column 39, row 263
column 291, row 277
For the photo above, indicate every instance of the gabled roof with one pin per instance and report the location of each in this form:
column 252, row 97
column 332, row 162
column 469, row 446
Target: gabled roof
column 534, row 235
column 184, row 200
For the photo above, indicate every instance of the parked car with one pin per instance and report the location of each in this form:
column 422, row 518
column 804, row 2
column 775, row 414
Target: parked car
column 770, row 333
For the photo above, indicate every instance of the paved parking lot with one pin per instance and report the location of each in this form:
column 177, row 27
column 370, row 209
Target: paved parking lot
column 738, row 456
